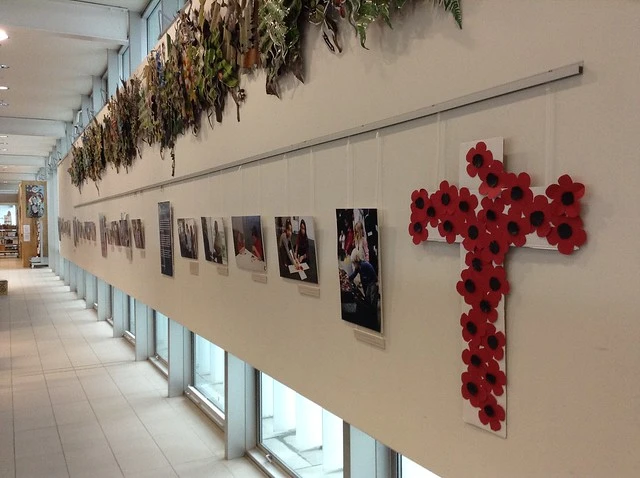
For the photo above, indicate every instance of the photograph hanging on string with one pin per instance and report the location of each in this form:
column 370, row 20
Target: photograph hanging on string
column 296, row 239
column 359, row 267
column 214, row 240
column 188, row 238
column 138, row 233
column 248, row 244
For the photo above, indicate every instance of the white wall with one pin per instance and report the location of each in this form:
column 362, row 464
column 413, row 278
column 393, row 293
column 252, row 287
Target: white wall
column 572, row 322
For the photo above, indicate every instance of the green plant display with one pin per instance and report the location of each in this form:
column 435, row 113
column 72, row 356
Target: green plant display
column 195, row 71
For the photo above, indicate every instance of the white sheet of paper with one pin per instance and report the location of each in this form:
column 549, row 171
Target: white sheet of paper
column 26, row 232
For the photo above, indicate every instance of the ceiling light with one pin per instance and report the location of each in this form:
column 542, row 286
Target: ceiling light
column 3, row 149
column 4, row 136
column 3, row 35
column 4, row 87
column 3, row 103
column 3, row 66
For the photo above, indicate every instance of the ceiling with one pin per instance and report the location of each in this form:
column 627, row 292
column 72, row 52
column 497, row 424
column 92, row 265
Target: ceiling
column 54, row 49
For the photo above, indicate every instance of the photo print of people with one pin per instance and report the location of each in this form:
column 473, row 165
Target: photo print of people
column 247, row 243
column 214, row 240
column 296, row 239
column 359, row 267
column 138, row 233
column 188, row 238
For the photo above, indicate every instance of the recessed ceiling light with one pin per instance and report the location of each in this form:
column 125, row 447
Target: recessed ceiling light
column 4, row 87
column 4, row 136
column 3, row 66
column 3, row 103
column 3, row 35
column 3, row 149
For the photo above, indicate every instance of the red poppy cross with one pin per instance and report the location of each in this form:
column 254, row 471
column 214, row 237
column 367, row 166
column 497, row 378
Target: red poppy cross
column 502, row 213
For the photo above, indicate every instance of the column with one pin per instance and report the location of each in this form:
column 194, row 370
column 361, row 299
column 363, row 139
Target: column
column 143, row 332
column 120, row 312
column 284, row 408
column 104, row 301
column 137, row 41
column 240, row 410
column 80, row 283
column 367, row 457
column 180, row 367
column 73, row 277
column 65, row 272
column 96, row 94
column 90, row 290
column 308, row 424
column 113, row 72
column 332, row 440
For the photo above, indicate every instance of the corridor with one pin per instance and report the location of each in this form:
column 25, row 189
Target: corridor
column 73, row 403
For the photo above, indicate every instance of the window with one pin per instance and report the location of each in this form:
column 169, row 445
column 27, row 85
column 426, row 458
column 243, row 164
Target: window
column 208, row 371
column 161, row 337
column 153, row 20
column 300, row 435
column 410, row 469
column 124, row 64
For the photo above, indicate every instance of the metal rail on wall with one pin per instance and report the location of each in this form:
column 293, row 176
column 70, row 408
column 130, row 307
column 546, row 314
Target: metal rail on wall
column 540, row 79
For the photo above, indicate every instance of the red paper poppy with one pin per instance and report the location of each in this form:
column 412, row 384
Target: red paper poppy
column 474, row 326
column 473, row 388
column 515, row 228
column 467, row 203
column 491, row 214
column 518, row 193
column 479, row 159
column 567, row 233
column 419, row 202
column 538, row 214
column 476, row 358
column 470, row 288
column 494, row 342
column 487, row 306
column 449, row 229
column 473, row 233
column 565, row 196
column 494, row 378
column 495, row 247
column 495, row 280
column 493, row 180
column 445, row 199
column 477, row 264
column 491, row 413
column 418, row 227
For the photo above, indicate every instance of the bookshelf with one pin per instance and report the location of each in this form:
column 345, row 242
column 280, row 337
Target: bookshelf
column 9, row 245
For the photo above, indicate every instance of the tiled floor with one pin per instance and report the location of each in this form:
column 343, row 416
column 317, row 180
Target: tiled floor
column 74, row 403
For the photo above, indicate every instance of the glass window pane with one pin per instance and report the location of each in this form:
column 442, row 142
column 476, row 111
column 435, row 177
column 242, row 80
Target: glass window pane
column 125, row 67
column 208, row 371
column 162, row 336
column 411, row 469
column 301, row 434
column 153, row 28
column 131, row 325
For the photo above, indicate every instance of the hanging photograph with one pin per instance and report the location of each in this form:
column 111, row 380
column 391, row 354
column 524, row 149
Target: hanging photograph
column 296, row 239
column 214, row 239
column 115, row 233
column 103, row 234
column 359, row 267
column 247, row 243
column 188, row 237
column 125, row 232
column 165, row 222
column 138, row 233
column 35, row 200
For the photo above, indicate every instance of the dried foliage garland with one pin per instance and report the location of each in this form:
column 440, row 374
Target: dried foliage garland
column 195, row 71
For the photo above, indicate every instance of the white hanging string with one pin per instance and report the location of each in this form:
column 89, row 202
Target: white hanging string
column 549, row 136
column 350, row 178
column 441, row 130
column 312, row 183
column 379, row 202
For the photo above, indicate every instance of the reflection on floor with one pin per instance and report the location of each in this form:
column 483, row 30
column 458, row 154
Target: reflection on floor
column 306, row 463
column 73, row 403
